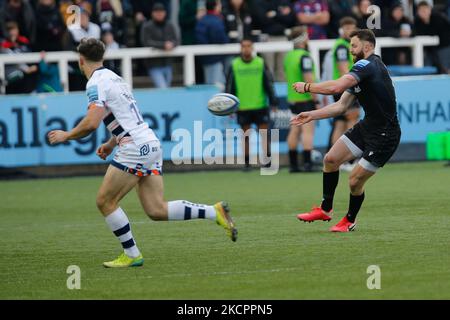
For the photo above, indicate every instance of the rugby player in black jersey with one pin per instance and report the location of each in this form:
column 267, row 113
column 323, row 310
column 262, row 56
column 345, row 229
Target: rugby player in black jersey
column 375, row 138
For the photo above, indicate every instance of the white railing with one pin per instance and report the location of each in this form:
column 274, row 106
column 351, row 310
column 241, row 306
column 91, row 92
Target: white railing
column 126, row 55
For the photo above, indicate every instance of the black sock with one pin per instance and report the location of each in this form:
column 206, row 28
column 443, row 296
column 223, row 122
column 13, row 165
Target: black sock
column 354, row 206
column 330, row 181
column 307, row 156
column 293, row 158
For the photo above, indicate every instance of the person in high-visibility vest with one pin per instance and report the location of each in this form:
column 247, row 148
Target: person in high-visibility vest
column 342, row 63
column 250, row 80
column 299, row 66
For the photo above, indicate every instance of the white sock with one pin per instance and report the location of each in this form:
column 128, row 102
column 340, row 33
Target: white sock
column 120, row 226
column 185, row 210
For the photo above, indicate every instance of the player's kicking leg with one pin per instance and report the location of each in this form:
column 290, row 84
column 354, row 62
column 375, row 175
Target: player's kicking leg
column 116, row 184
column 150, row 190
column 338, row 154
column 358, row 178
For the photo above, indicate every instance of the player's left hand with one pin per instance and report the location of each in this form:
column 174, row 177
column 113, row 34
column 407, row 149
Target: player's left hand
column 299, row 87
column 302, row 118
column 57, row 136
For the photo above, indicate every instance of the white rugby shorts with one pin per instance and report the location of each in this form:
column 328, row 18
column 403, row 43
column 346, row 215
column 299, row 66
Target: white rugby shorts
column 140, row 160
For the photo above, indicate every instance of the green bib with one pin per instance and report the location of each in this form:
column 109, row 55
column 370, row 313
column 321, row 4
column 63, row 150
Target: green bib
column 294, row 74
column 249, row 83
column 340, row 42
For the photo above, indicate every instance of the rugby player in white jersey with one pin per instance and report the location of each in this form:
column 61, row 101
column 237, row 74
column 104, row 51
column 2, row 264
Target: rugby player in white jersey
column 137, row 162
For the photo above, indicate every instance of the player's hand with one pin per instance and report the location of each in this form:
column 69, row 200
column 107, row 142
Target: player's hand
column 299, row 87
column 57, row 136
column 301, row 118
column 104, row 151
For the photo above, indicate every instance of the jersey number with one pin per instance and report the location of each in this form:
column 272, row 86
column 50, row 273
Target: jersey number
column 134, row 109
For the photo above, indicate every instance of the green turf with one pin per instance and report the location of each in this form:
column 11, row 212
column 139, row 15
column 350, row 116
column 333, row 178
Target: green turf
column 47, row 225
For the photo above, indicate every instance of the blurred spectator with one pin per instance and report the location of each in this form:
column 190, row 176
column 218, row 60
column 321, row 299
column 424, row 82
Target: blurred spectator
column 396, row 25
column 86, row 28
column 22, row 12
column 315, row 15
column 142, row 10
column 433, row 23
column 187, row 19
column 362, row 13
column 20, row 78
column 160, row 34
column 210, row 29
column 110, row 12
column 69, row 15
column 110, row 43
column 238, row 20
column 273, row 17
column 50, row 27
column 338, row 9
column 48, row 77
column 77, row 81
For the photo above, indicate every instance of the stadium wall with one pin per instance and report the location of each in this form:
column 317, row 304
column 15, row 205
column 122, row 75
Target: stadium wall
column 25, row 120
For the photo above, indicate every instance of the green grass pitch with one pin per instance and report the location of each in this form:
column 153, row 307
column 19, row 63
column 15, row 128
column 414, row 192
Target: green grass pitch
column 403, row 227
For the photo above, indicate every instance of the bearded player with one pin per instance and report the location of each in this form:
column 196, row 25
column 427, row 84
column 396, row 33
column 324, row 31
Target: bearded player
column 374, row 139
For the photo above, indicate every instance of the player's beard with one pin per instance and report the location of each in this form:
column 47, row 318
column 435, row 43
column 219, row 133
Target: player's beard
column 358, row 56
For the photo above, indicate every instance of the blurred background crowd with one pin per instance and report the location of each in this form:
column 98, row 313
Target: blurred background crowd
column 48, row 25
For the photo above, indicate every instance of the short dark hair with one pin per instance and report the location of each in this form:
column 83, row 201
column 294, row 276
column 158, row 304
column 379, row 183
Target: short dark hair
column 211, row 4
column 346, row 21
column 364, row 35
column 92, row 49
column 423, row 4
column 247, row 38
column 11, row 25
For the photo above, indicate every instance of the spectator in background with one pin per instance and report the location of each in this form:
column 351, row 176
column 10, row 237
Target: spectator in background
column 22, row 12
column 396, row 25
column 50, row 27
column 160, row 34
column 142, row 10
column 107, row 36
column 432, row 23
column 238, row 20
column 110, row 13
column 86, row 29
column 338, row 9
column 20, row 78
column 315, row 15
column 210, row 29
column 362, row 13
column 187, row 19
column 69, row 15
column 273, row 17
column 48, row 76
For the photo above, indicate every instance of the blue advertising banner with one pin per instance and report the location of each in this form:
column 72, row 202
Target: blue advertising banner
column 25, row 120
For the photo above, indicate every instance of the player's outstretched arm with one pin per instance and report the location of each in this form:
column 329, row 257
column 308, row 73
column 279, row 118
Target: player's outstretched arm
column 89, row 123
column 330, row 111
column 333, row 87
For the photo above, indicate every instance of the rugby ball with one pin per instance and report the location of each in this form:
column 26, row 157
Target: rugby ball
column 223, row 104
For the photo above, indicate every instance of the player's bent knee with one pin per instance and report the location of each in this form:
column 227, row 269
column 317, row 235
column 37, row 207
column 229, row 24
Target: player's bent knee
column 156, row 214
column 330, row 161
column 104, row 205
